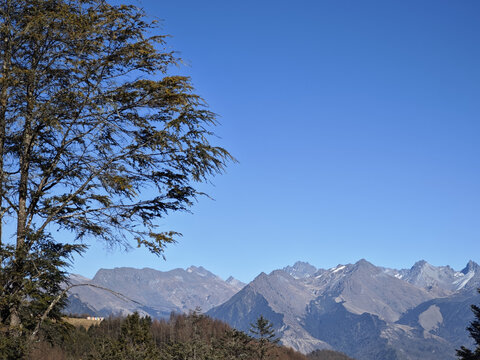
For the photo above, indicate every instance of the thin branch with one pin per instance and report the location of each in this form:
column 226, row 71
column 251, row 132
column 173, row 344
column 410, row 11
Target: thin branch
column 86, row 183
column 44, row 316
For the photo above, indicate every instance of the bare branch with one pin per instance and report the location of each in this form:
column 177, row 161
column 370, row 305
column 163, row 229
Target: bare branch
column 44, row 316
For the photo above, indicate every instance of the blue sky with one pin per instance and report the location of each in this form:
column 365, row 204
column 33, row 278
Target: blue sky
column 356, row 126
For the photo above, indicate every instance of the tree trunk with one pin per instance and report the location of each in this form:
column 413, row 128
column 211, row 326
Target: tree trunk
column 21, row 246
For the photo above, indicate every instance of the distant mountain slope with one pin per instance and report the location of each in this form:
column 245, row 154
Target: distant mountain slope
column 439, row 281
column 357, row 335
column 444, row 317
column 362, row 310
column 280, row 298
column 363, row 287
column 367, row 312
column 153, row 292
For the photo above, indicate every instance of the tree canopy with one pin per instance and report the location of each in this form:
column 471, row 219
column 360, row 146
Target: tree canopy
column 97, row 137
column 182, row 336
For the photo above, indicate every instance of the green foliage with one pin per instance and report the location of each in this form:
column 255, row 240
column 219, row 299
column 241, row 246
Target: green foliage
column 327, row 355
column 236, row 345
column 42, row 271
column 182, row 337
column 474, row 329
column 96, row 138
column 11, row 348
column 135, row 341
column 92, row 121
column 263, row 330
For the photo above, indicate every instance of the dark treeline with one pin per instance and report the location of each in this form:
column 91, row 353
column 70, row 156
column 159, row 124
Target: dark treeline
column 327, row 355
column 181, row 337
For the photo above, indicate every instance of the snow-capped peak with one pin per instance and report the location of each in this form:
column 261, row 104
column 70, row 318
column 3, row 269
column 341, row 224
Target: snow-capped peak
column 338, row 268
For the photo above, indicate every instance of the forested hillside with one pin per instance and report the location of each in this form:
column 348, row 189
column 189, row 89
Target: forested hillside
column 192, row 336
column 327, row 355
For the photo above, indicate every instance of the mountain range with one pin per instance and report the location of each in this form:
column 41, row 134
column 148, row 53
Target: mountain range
column 365, row 311
column 149, row 292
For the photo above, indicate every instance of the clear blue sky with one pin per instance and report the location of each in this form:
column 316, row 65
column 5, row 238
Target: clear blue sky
column 356, row 125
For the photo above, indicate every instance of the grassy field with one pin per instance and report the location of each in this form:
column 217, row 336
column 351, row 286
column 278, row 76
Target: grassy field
column 82, row 322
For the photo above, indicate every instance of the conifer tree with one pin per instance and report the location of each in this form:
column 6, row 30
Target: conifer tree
column 136, row 340
column 265, row 333
column 235, row 345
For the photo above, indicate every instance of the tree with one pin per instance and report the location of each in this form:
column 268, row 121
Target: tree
column 327, row 355
column 136, row 340
column 132, row 339
column 96, row 137
column 263, row 330
column 474, row 329
column 235, row 345
column 41, row 272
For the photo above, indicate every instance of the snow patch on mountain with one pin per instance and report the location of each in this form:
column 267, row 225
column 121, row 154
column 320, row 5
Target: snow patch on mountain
column 460, row 283
column 338, row 268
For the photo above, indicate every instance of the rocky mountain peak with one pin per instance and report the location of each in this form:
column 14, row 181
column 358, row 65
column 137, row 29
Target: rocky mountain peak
column 201, row 271
column 472, row 267
column 160, row 292
column 420, row 264
column 468, row 278
column 421, row 268
column 436, row 280
column 260, row 276
column 364, row 265
column 236, row 284
column 300, row 270
column 78, row 279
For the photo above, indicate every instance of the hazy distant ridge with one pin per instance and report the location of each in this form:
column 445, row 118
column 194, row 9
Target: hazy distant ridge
column 159, row 293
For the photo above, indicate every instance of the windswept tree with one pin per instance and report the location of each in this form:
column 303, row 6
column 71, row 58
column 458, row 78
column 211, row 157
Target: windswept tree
column 96, row 138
